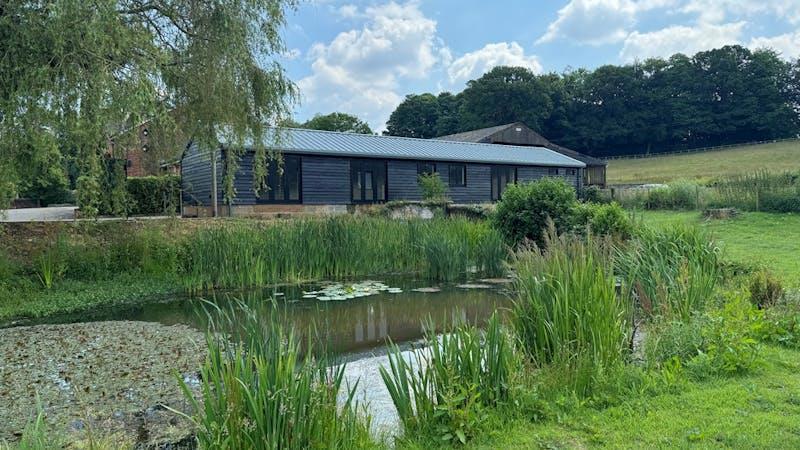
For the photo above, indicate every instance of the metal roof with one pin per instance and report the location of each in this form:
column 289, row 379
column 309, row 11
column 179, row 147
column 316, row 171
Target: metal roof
column 485, row 135
column 295, row 140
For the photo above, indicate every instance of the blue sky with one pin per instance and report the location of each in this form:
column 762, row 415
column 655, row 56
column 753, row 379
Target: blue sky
column 363, row 57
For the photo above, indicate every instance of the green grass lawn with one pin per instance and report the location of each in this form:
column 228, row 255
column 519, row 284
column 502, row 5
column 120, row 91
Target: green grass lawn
column 761, row 410
column 775, row 157
column 769, row 239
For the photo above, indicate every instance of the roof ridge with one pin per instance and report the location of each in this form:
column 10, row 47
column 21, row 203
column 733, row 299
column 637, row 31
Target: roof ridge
column 347, row 133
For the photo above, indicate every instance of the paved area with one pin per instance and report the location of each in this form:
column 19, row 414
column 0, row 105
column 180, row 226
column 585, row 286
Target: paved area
column 38, row 214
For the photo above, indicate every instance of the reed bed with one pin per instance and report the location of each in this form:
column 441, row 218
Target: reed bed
column 252, row 255
column 262, row 391
column 673, row 272
column 567, row 312
column 444, row 389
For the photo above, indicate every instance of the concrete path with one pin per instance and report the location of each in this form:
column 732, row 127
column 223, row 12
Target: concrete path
column 56, row 213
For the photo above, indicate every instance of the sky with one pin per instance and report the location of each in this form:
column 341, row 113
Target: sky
column 364, row 57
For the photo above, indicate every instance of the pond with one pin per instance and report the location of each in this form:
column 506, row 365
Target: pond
column 353, row 323
column 346, row 326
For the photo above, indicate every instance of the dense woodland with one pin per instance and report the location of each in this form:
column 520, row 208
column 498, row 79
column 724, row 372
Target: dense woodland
column 723, row 96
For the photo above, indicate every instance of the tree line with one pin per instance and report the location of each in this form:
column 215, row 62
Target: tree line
column 722, row 96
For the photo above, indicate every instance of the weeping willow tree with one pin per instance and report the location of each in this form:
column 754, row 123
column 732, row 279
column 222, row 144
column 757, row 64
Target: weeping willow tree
column 76, row 75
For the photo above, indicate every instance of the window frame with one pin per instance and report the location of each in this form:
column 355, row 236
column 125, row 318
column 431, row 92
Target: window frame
column 363, row 166
column 463, row 167
column 420, row 165
column 553, row 172
column 261, row 200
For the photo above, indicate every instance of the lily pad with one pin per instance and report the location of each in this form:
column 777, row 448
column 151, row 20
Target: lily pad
column 427, row 290
column 473, row 286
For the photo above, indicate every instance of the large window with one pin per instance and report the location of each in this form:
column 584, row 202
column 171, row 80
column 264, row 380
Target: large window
column 458, row 175
column 282, row 186
column 368, row 181
column 501, row 177
column 426, row 168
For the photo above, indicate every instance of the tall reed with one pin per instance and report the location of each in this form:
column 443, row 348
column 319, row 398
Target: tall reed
column 260, row 392
column 443, row 389
column 673, row 272
column 251, row 255
column 567, row 312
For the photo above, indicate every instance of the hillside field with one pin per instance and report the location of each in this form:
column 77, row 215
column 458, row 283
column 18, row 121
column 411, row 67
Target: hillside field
column 779, row 156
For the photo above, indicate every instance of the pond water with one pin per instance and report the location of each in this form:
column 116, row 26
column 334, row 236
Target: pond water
column 350, row 326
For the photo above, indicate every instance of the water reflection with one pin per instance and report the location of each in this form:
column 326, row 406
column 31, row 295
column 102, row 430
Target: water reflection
column 346, row 326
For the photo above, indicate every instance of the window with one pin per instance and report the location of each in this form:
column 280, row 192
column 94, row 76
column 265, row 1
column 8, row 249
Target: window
column 552, row 171
column 425, row 168
column 458, row 175
column 572, row 172
column 368, row 181
column 282, row 187
column 501, row 177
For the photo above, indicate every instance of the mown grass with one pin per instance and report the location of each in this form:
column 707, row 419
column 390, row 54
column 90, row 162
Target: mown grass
column 771, row 240
column 759, row 410
column 776, row 157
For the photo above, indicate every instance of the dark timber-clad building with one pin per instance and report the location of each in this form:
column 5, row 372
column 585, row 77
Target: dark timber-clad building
column 326, row 172
column 518, row 133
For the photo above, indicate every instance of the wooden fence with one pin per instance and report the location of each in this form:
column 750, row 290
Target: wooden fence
column 698, row 150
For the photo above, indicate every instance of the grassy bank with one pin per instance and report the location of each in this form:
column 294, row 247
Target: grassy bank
column 755, row 411
column 771, row 240
column 776, row 157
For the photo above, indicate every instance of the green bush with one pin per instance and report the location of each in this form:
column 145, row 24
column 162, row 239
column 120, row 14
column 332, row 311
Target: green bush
column 680, row 195
column 731, row 336
column 782, row 322
column 593, row 194
column 781, row 201
column 765, row 289
column 154, row 195
column 432, row 187
column 525, row 209
column 603, row 219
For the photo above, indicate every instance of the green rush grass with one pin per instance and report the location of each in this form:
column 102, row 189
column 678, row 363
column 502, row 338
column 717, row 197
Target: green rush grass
column 251, row 255
column 566, row 312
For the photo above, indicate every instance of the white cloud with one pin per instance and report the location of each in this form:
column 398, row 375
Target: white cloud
column 348, row 11
column 680, row 39
column 474, row 64
column 717, row 11
column 592, row 22
column 788, row 45
column 597, row 22
column 359, row 70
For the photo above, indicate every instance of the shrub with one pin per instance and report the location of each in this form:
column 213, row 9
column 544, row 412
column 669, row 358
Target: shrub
column 593, row 194
column 50, row 263
column 432, row 187
column 445, row 389
column 567, row 312
column 603, row 219
column 525, row 209
column 782, row 322
column 676, row 195
column 672, row 272
column 731, row 336
column 154, row 195
column 765, row 289
column 259, row 392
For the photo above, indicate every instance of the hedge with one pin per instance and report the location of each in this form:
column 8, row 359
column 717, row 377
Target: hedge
column 154, row 195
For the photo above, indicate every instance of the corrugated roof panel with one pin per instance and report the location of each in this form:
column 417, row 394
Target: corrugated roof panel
column 316, row 142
